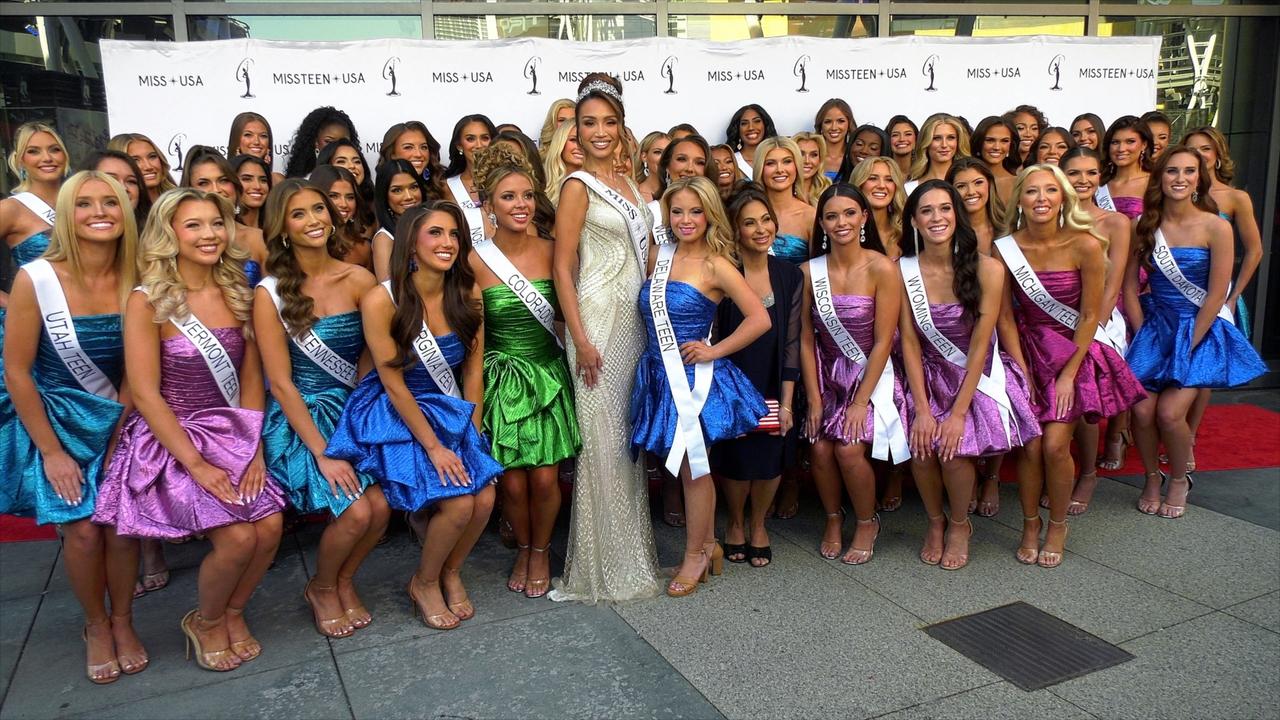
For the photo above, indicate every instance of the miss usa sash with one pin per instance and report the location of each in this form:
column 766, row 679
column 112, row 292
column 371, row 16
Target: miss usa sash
column 743, row 165
column 1026, row 279
column 992, row 385
column 1102, row 198
column 470, row 208
column 637, row 227
column 61, row 330
column 432, row 356
column 890, row 436
column 312, row 345
column 537, row 304
column 688, row 436
column 37, row 206
column 1162, row 258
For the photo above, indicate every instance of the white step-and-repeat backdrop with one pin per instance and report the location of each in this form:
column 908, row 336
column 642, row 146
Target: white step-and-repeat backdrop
column 182, row 94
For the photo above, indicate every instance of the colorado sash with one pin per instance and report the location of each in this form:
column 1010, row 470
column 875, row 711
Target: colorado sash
column 537, row 303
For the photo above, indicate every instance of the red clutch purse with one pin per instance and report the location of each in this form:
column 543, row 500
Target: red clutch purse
column 769, row 423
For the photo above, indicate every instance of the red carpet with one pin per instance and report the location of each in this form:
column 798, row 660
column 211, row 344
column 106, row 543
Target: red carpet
column 1232, row 437
column 16, row 529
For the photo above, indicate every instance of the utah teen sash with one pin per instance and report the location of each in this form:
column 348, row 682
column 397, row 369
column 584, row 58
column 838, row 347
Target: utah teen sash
column 743, row 165
column 62, row 330
column 1162, row 258
column 432, row 356
column 470, row 208
column 537, row 304
column 1102, row 198
column 890, row 436
column 637, row 228
column 688, row 435
column 312, row 345
column 992, row 384
column 37, row 206
column 1026, row 278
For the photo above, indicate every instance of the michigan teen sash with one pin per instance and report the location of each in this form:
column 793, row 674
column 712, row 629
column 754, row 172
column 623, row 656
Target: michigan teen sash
column 62, row 330
column 432, row 356
column 33, row 203
column 312, row 345
column 534, row 301
column 470, row 208
column 1026, row 278
column 890, row 440
column 637, row 227
column 1162, row 258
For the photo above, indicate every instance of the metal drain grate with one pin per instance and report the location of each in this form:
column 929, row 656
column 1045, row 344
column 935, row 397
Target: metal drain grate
column 1027, row 646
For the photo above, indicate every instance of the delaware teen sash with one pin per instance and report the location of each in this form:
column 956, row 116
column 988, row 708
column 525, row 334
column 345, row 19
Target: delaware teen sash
column 1162, row 258
column 470, row 208
column 890, row 439
column 637, row 226
column 33, row 203
column 312, row 345
column 537, row 303
column 62, row 330
column 688, row 436
column 993, row 384
column 1026, row 278
column 432, row 356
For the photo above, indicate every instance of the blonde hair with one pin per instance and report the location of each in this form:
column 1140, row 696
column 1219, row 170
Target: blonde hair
column 65, row 247
column 21, row 139
column 645, row 145
column 158, row 261
column 820, row 180
column 920, row 159
column 552, row 164
column 862, row 171
column 720, row 238
column 121, row 143
column 549, row 126
column 1074, row 218
column 775, row 143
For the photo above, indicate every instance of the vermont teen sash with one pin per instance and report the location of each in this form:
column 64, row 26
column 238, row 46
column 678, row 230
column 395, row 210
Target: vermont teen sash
column 637, row 227
column 432, row 356
column 537, row 303
column 890, row 436
column 312, row 345
column 688, row 436
column 61, row 330
column 1026, row 278
column 33, row 203
column 1162, row 258
column 215, row 356
column 470, row 208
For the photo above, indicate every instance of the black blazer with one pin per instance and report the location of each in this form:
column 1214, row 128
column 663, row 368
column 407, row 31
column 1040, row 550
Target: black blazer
column 788, row 284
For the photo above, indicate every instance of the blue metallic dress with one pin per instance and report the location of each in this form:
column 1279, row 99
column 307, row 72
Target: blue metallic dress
column 792, row 248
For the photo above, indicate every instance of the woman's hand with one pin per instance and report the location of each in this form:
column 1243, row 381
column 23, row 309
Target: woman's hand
column 786, row 420
column 254, row 479
column 855, row 418
column 813, row 421
column 65, row 476
column 1064, row 390
column 696, row 351
column 948, row 435
column 215, row 481
column 923, row 431
column 341, row 476
column 589, row 363
column 449, row 466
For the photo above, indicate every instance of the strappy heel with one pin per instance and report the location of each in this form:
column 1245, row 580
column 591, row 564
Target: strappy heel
column 1028, row 555
column 438, row 621
column 463, row 609
column 1151, row 507
column 715, row 558
column 102, row 673
column 539, row 587
column 681, row 586
column 934, row 561
column 339, row 627
column 825, row 548
column 859, row 556
column 212, row 660
column 248, row 648
column 1177, row 511
column 129, row 665
column 359, row 615
column 989, row 509
column 964, row 558
column 1113, row 459
column 1075, row 507
column 1050, row 558
column 517, row 583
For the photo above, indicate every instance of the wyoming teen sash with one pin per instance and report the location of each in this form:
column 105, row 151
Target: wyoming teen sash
column 537, row 304
column 637, row 227
column 470, row 208
column 688, row 435
column 37, row 206
column 1026, row 278
column 61, row 330
column 890, row 436
column 1162, row 258
column 992, row 385
column 432, row 356
column 312, row 345
column 1102, row 198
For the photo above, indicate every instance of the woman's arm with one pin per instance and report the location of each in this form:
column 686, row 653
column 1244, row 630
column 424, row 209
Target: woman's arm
column 1006, row 325
column 473, row 371
column 381, row 244
column 755, row 321
column 991, row 277
column 1132, row 288
column 570, row 217
column 809, row 360
column 1251, row 239
column 1093, row 268
column 1118, row 231
column 1221, row 257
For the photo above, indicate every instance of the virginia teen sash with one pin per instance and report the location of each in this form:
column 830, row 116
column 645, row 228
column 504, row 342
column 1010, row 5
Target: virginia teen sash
column 1102, row 198
column 637, row 228
column 890, row 436
column 537, row 303
column 688, row 436
column 1026, row 279
column 37, row 206
column 992, row 384
column 432, row 356
column 1162, row 258
column 312, row 345
column 62, row 330
column 470, row 208
column 743, row 165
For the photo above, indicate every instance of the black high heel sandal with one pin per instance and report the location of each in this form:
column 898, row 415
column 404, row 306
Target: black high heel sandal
column 760, row 553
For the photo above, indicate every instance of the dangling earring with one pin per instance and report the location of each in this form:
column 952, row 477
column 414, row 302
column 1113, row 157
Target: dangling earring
column 1062, row 217
column 862, row 234
column 915, row 239
column 1017, row 216
column 333, row 229
column 493, row 219
column 22, row 174
column 1217, row 164
column 955, row 247
column 824, row 242
column 285, row 241
column 1195, row 197
column 413, row 263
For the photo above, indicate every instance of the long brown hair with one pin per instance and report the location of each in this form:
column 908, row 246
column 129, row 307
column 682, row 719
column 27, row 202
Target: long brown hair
column 237, row 127
column 1153, row 200
column 461, row 310
column 297, row 309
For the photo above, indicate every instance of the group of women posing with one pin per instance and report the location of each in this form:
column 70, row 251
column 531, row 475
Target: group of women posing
column 410, row 338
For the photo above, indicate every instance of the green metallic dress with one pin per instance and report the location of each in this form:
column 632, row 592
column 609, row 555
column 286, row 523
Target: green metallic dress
column 528, row 392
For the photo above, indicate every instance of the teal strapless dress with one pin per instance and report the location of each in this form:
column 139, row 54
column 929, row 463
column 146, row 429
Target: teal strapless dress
column 288, row 459
column 528, row 392
column 791, row 248
column 84, row 423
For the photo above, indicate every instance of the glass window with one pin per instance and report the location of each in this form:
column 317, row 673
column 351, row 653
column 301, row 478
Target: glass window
column 986, row 25
column 742, row 27
column 562, row 27
column 303, row 27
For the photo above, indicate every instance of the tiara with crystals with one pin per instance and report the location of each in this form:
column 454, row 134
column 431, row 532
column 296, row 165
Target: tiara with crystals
column 599, row 86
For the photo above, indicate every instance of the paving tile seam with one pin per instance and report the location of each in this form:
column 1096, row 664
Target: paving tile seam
column 461, row 631
column 1068, row 701
column 937, row 699
column 44, row 591
column 667, row 660
column 1201, row 616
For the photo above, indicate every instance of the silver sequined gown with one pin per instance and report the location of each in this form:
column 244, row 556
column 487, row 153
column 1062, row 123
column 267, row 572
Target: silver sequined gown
column 611, row 555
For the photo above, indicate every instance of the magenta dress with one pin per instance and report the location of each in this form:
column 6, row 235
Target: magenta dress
column 838, row 375
column 984, row 432
column 1105, row 386
column 147, row 493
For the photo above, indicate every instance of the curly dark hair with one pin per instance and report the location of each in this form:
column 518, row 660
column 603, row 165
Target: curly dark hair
column 143, row 208
column 734, row 138
column 1153, row 201
column 964, row 245
column 297, row 309
column 1032, row 110
column 457, row 159
column 386, row 171
column 302, row 154
column 819, row 246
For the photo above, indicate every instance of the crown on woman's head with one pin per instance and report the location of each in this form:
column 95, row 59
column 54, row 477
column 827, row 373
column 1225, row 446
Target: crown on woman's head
column 599, row 86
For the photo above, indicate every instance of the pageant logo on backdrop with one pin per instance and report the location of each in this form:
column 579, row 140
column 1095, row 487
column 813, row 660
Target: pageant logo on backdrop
column 668, row 71
column 174, row 148
column 927, row 71
column 800, row 70
column 531, row 74
column 389, row 74
column 243, row 75
column 1055, row 71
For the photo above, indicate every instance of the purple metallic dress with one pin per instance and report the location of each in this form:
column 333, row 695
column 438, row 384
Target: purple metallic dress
column 838, row 375
column 146, row 492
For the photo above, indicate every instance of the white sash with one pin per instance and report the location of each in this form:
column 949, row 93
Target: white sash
column 537, row 303
column 659, row 228
column 61, row 329
column 637, row 228
column 1026, row 278
column 743, row 165
column 470, row 208
column 1162, row 258
column 41, row 208
column 1102, row 198
column 215, row 357
column 312, row 345
column 688, row 436
column 890, row 439
column 1117, row 329
column 993, row 384
column 909, row 186
column 432, row 356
